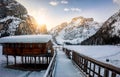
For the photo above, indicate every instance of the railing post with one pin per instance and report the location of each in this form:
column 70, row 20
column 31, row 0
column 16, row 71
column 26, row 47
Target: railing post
column 113, row 74
column 106, row 73
column 93, row 70
column 99, row 69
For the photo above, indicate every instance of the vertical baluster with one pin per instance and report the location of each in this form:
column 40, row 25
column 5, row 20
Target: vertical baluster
column 106, row 73
column 7, row 59
column 99, row 68
column 93, row 70
column 90, row 69
column 113, row 74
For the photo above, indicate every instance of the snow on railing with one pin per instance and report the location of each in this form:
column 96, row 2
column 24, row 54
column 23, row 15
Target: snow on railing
column 51, row 68
column 92, row 67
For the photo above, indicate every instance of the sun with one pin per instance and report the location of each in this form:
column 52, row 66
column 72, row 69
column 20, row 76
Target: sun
column 42, row 17
column 41, row 20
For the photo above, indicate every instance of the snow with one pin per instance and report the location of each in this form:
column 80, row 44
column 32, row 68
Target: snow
column 9, row 17
column 100, row 53
column 26, row 39
column 116, row 29
column 64, row 67
column 13, row 24
column 116, row 25
column 76, row 31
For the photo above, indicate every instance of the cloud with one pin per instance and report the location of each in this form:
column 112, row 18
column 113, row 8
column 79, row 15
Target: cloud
column 64, row 2
column 76, row 9
column 117, row 1
column 53, row 3
column 72, row 9
column 66, row 9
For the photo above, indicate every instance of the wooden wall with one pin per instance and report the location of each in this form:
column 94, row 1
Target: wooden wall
column 26, row 49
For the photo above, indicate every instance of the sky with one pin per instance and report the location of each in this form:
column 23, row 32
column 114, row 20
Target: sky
column 54, row 12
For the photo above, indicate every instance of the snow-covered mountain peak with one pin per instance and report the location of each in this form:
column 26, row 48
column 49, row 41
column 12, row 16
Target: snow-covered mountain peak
column 81, row 20
column 109, row 33
column 76, row 31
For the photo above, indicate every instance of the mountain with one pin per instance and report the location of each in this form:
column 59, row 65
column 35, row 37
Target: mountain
column 109, row 33
column 77, row 30
column 14, row 19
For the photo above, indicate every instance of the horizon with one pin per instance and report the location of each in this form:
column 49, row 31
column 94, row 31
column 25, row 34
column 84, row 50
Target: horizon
column 55, row 12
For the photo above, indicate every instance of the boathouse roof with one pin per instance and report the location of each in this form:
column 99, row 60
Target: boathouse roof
column 26, row 39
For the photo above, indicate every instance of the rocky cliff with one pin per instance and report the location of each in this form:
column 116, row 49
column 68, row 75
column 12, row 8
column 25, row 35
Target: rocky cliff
column 14, row 19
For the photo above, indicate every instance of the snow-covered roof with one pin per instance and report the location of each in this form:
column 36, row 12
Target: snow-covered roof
column 26, row 39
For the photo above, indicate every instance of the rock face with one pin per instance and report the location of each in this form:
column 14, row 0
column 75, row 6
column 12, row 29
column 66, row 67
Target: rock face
column 14, row 19
column 77, row 30
column 10, row 8
column 55, row 31
column 109, row 33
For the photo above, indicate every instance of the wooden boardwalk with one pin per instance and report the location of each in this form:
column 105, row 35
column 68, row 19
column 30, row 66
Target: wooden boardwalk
column 65, row 67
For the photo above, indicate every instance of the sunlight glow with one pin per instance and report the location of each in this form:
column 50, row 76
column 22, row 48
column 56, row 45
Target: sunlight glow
column 40, row 16
column 41, row 20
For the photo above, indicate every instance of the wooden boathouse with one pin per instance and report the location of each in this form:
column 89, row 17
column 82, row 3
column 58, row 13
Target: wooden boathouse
column 28, row 50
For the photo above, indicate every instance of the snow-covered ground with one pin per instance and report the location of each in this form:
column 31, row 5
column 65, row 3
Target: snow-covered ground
column 64, row 67
column 100, row 53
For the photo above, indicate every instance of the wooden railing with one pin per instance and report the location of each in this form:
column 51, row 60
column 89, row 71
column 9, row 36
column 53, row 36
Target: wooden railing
column 92, row 67
column 51, row 68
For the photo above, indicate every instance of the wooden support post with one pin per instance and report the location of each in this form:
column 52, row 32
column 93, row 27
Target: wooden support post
column 35, row 59
column 15, row 60
column 7, row 59
column 30, row 60
column 35, row 62
column 47, row 60
column 39, row 59
column 22, row 59
column 25, row 59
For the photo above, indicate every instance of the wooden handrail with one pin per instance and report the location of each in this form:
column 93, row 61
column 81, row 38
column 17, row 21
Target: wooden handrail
column 51, row 67
column 90, row 65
